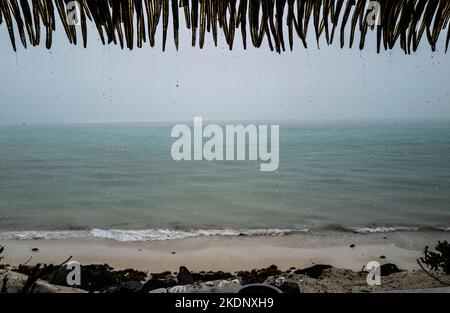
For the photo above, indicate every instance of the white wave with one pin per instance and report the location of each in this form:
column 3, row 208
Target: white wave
column 53, row 234
column 165, row 234
column 444, row 228
column 144, row 235
column 381, row 229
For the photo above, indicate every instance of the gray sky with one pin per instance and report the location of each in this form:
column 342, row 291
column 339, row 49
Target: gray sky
column 105, row 83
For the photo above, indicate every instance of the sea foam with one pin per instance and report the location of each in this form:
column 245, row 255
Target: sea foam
column 381, row 229
column 144, row 235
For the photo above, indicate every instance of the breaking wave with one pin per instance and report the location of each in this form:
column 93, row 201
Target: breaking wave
column 374, row 230
column 144, row 235
column 168, row 234
column 385, row 229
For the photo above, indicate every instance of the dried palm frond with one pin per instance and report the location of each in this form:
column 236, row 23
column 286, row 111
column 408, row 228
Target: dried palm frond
column 124, row 22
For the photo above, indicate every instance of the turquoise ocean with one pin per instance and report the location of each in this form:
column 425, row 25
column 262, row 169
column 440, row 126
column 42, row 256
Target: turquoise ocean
column 118, row 181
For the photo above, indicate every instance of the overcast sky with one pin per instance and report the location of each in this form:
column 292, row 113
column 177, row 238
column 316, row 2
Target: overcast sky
column 104, row 83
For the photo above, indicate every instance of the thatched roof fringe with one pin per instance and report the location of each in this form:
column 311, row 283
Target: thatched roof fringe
column 126, row 22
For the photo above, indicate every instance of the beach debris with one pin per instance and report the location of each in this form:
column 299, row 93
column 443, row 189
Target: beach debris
column 167, row 279
column 332, row 280
column 99, row 277
column 259, row 289
column 184, row 276
column 94, row 277
column 163, row 275
column 130, row 274
column 211, row 276
column 159, row 290
column 160, row 280
column 258, row 276
column 16, row 282
column 110, row 290
column 217, row 286
column 287, row 287
column 439, row 260
column 314, row 271
column 28, row 261
column 156, row 283
column 33, row 276
column 388, row 269
column 46, row 271
column 131, row 286
column 279, row 281
column 4, row 287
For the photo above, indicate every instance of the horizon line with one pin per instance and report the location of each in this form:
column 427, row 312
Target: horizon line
column 284, row 120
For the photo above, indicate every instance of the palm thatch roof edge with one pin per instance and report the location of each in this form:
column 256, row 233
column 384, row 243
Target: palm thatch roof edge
column 131, row 23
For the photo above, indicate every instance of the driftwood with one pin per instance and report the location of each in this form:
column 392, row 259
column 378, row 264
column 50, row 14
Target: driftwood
column 32, row 278
column 28, row 261
column 4, row 288
column 132, row 22
column 37, row 272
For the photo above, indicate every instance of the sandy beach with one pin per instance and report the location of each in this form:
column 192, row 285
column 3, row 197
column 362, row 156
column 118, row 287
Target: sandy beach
column 231, row 253
column 306, row 262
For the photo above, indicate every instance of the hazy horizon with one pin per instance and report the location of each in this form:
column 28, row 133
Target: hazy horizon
column 70, row 84
column 281, row 121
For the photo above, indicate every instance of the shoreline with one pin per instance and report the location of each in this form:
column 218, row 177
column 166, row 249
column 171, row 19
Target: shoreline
column 232, row 253
column 302, row 262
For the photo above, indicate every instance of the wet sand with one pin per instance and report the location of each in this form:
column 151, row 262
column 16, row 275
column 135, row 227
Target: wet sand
column 231, row 253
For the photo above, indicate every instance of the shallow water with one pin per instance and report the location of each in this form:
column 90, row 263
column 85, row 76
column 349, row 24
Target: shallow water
column 363, row 176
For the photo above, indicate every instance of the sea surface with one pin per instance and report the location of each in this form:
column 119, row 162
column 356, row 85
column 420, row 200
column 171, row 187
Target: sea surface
column 119, row 181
